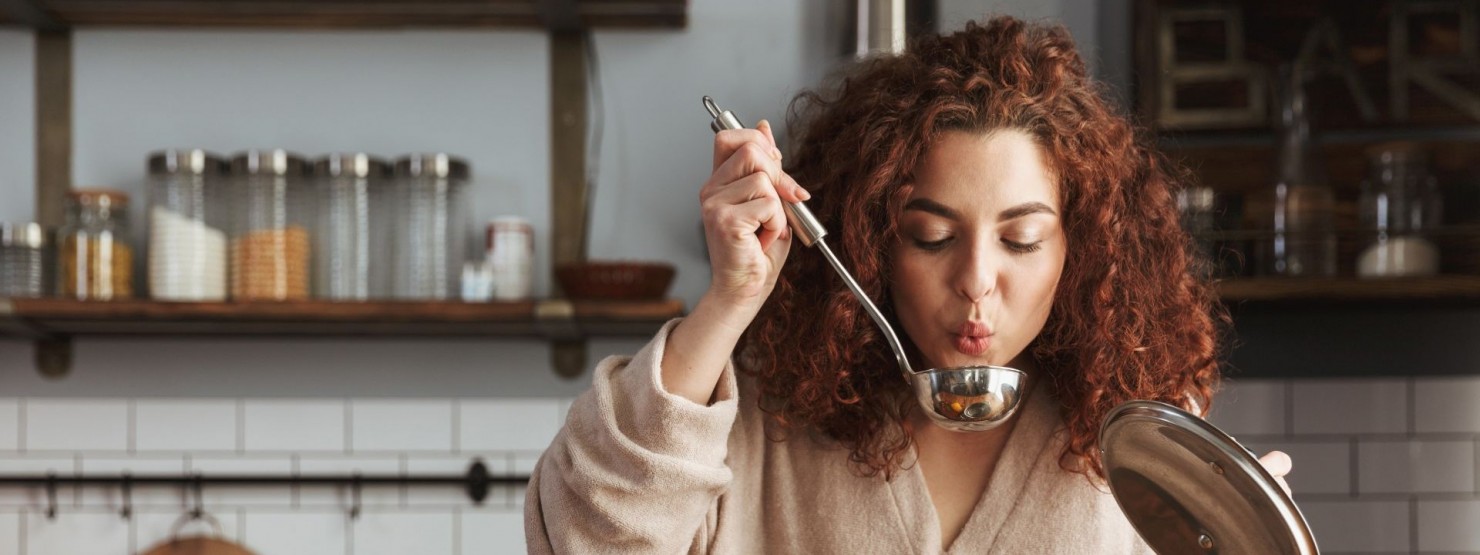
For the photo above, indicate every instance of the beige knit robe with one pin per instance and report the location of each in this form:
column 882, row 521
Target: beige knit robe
column 639, row 470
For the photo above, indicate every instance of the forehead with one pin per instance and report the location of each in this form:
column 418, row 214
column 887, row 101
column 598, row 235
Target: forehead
column 988, row 171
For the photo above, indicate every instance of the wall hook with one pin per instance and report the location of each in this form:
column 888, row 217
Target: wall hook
column 127, row 486
column 354, row 508
column 51, row 495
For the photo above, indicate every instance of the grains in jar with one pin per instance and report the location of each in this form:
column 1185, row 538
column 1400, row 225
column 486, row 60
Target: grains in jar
column 95, row 261
column 271, row 264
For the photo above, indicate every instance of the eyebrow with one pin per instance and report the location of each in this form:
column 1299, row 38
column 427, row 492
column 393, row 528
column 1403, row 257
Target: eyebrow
column 932, row 207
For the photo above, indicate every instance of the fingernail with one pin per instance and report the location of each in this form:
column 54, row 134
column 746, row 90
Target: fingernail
column 803, row 194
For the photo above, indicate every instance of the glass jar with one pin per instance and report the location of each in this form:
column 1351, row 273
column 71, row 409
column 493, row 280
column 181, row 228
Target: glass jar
column 188, row 224
column 1299, row 220
column 430, row 226
column 1400, row 202
column 511, row 258
column 95, row 261
column 272, row 211
column 23, row 260
column 351, row 227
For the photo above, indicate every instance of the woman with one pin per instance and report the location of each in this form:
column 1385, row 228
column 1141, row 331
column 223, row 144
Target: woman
column 981, row 190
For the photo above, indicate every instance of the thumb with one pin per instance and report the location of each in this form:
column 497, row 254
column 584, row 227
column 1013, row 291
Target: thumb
column 1277, row 463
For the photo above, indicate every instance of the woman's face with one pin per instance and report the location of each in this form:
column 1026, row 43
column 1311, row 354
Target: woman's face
column 981, row 250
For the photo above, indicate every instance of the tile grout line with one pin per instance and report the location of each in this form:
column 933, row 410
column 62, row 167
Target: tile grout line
column 241, row 425
column 456, row 426
column 1289, row 409
column 457, row 525
column 1412, row 412
column 1413, row 524
column 21, row 423
column 1355, row 483
column 133, row 426
column 294, row 470
column 349, row 426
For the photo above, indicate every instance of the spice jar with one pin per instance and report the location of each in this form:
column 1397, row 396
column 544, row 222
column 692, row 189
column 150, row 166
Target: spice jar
column 188, row 223
column 430, row 226
column 273, row 212
column 1399, row 203
column 23, row 260
column 351, row 227
column 511, row 257
column 95, row 261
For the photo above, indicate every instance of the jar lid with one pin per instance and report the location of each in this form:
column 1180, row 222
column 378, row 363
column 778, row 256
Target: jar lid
column 1187, row 487
column 434, row 164
column 22, row 234
column 268, row 162
column 350, row 164
column 185, row 160
column 508, row 222
column 98, row 196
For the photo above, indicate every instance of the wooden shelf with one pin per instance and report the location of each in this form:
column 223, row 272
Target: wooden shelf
column 1457, row 289
column 44, row 14
column 550, row 319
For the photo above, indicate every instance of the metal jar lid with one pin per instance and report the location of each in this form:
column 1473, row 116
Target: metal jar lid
column 23, row 234
column 1188, row 487
column 268, row 162
column 187, row 161
column 350, row 164
column 436, row 164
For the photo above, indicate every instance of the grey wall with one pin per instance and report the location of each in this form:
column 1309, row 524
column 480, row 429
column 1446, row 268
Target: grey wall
column 480, row 94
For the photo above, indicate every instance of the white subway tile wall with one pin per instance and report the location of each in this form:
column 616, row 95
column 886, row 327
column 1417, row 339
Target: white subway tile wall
column 1381, row 466
column 185, row 425
column 277, row 437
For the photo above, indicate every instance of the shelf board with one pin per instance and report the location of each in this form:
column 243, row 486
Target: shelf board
column 1457, row 289
column 549, row 319
column 351, row 13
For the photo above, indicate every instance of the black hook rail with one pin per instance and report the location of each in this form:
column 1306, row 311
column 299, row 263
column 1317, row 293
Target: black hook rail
column 477, row 482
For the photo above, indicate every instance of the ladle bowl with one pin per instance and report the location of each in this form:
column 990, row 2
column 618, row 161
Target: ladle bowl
column 969, row 398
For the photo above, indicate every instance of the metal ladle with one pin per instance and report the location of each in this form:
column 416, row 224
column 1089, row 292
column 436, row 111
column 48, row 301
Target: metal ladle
column 961, row 398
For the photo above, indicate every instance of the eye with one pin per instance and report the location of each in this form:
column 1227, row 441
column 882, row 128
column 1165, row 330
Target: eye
column 1022, row 248
column 932, row 246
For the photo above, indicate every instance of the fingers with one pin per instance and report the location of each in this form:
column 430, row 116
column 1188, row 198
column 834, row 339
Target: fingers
column 727, row 141
column 739, row 219
column 1277, row 463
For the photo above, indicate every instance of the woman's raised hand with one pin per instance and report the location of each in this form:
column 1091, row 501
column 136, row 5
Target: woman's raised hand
column 748, row 236
column 744, row 222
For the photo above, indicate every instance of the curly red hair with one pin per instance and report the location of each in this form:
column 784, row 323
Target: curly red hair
column 1131, row 319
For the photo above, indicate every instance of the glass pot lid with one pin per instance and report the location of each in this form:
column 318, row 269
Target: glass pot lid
column 1187, row 487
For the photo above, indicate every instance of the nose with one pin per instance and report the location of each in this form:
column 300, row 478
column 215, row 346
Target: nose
column 977, row 272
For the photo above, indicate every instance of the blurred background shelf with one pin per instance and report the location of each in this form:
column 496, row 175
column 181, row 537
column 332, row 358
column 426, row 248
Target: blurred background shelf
column 548, row 319
column 1455, row 288
column 56, row 14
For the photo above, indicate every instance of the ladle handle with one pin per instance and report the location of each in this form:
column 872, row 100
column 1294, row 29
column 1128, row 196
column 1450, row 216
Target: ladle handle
column 803, row 223
column 806, row 227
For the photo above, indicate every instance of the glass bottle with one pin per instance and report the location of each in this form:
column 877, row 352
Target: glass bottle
column 1300, row 224
column 95, row 261
column 1400, row 201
